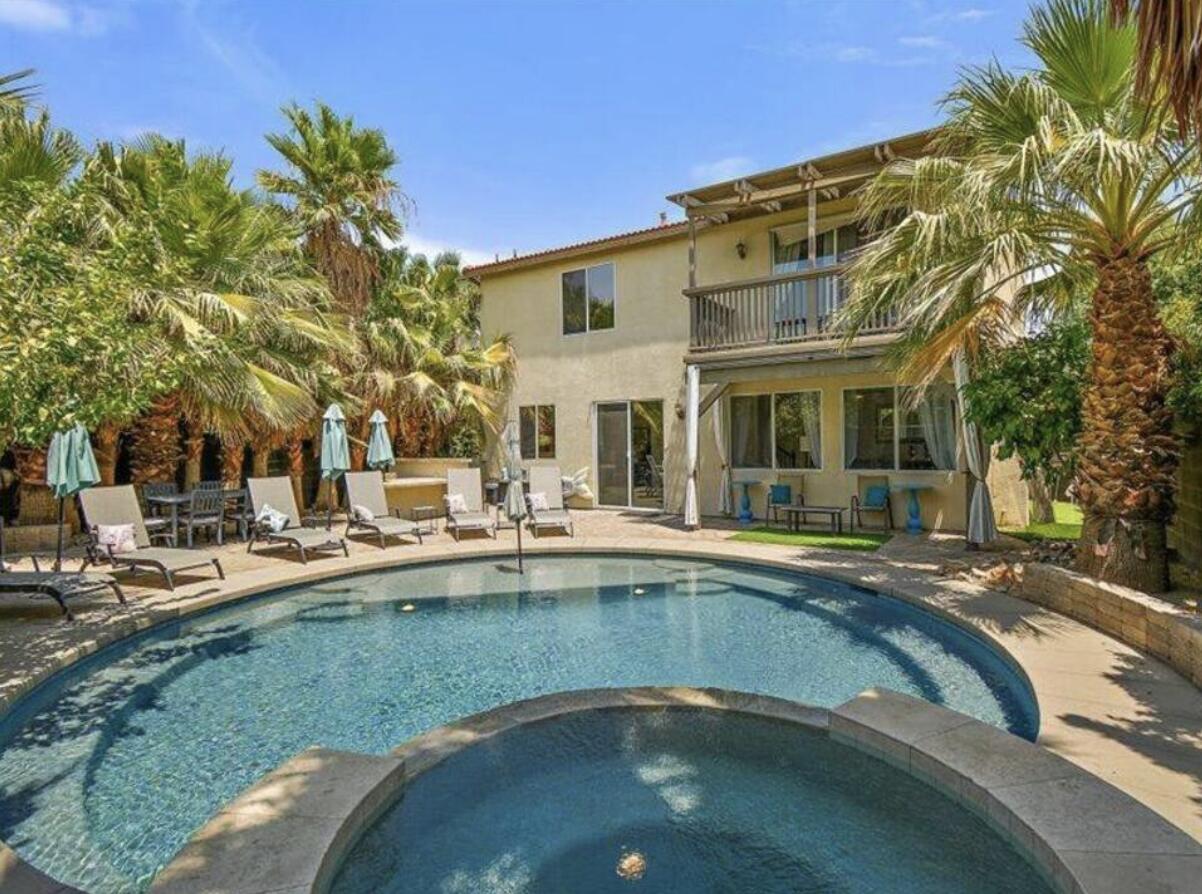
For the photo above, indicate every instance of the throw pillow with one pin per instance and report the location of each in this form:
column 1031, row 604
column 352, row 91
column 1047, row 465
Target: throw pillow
column 273, row 518
column 456, row 504
column 362, row 513
column 118, row 538
column 538, row 502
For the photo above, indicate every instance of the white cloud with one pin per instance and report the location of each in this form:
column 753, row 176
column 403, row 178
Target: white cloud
column 925, row 41
column 972, row 15
column 853, row 54
column 35, row 15
column 419, row 244
column 721, row 169
column 55, row 15
column 240, row 55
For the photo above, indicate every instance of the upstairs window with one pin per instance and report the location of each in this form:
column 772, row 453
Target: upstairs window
column 537, row 423
column 588, row 299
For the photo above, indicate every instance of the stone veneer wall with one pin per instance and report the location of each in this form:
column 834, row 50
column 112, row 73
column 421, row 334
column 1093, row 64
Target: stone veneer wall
column 1151, row 625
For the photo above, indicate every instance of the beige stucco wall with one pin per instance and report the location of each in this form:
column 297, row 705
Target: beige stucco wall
column 641, row 358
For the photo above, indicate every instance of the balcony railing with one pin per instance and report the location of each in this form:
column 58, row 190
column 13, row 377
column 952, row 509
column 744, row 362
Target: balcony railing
column 781, row 309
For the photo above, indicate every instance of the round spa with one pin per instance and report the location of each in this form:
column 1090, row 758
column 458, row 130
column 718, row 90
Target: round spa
column 676, row 801
column 108, row 767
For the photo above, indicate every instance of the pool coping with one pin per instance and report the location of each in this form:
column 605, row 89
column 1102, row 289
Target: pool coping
column 291, row 831
column 978, row 611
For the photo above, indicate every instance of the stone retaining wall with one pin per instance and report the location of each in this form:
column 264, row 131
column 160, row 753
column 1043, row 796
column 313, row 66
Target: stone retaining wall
column 1151, row 625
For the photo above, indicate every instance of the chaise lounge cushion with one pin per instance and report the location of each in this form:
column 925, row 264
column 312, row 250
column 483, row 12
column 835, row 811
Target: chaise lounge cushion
column 388, row 525
column 165, row 557
column 473, row 519
column 308, row 537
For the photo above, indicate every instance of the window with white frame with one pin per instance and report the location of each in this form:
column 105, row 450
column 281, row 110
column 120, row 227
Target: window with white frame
column 776, row 431
column 884, row 428
column 588, row 299
column 537, row 430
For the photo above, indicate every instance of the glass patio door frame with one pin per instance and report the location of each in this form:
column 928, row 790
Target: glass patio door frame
column 629, row 504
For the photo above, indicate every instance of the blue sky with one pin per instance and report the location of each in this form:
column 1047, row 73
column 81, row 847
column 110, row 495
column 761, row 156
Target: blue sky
column 520, row 125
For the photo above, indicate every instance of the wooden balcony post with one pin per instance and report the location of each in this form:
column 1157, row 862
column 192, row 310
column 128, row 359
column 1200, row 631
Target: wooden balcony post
column 812, row 287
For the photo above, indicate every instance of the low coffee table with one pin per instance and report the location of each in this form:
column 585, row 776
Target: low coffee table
column 797, row 512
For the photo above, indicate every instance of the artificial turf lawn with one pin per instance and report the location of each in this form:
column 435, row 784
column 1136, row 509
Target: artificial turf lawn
column 1067, row 525
column 863, row 541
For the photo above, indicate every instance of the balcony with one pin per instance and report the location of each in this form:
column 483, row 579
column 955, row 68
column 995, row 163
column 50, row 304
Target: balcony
column 789, row 308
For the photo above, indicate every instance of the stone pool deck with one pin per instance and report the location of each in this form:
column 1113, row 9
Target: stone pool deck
column 1121, row 715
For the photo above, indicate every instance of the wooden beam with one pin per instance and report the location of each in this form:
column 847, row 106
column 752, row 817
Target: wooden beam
column 771, row 207
column 692, row 254
column 780, row 193
column 883, row 153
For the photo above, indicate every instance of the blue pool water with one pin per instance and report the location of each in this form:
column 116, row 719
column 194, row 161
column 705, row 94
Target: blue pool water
column 108, row 768
column 710, row 802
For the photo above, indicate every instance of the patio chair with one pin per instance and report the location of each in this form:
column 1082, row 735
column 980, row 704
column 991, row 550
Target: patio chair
column 58, row 585
column 297, row 533
column 548, row 481
column 872, row 495
column 206, row 511
column 365, row 490
column 781, row 494
column 465, row 483
column 152, row 516
column 119, row 506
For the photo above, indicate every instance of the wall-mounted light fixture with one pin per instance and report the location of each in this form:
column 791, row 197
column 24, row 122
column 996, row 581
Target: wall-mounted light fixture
column 741, row 249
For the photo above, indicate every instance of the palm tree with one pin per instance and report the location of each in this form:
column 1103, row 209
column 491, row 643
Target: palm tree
column 1042, row 186
column 230, row 289
column 1170, row 55
column 15, row 91
column 338, row 182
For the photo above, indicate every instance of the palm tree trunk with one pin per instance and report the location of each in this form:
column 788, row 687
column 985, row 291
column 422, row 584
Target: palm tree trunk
column 194, row 445
column 1128, row 448
column 38, row 507
column 156, row 450
column 233, row 453
column 296, row 469
column 108, row 442
column 358, row 444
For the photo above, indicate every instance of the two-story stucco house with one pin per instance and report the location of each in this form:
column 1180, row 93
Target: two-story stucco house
column 743, row 291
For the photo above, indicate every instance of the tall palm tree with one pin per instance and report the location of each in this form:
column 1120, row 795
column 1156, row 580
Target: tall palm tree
column 1170, row 55
column 1045, row 184
column 338, row 182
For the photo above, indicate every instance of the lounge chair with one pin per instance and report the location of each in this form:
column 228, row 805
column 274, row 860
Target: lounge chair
column 366, row 490
column 119, row 506
column 872, row 495
column 58, row 585
column 466, row 483
column 548, row 481
column 277, row 493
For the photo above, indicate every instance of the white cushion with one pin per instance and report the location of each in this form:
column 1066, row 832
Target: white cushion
column 118, row 538
column 273, row 518
column 538, row 502
column 362, row 513
column 456, row 504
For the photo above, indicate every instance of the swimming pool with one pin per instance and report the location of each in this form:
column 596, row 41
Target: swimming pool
column 676, row 801
column 107, row 768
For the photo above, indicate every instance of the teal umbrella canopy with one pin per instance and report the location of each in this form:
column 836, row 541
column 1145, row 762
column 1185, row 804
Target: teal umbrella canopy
column 71, row 466
column 379, row 446
column 335, row 450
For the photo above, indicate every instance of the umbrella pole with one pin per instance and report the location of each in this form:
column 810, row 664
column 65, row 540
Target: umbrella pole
column 58, row 552
column 518, row 526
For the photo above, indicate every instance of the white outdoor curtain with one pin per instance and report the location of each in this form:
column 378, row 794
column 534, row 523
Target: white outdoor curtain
column 725, row 502
column 935, row 414
column 811, row 413
column 692, row 517
column 981, row 525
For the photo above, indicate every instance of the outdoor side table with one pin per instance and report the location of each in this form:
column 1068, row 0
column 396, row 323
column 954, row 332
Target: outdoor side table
column 745, row 514
column 796, row 513
column 913, row 510
column 174, row 501
column 426, row 519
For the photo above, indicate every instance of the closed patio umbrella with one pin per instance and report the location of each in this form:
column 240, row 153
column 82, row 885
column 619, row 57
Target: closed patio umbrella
column 335, row 453
column 515, row 500
column 379, row 445
column 70, row 468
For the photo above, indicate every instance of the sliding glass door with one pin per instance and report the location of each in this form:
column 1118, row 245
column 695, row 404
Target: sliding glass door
column 630, row 454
